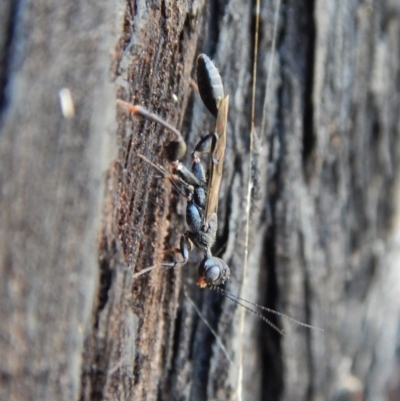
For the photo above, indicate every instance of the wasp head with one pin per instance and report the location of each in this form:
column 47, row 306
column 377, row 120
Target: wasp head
column 212, row 271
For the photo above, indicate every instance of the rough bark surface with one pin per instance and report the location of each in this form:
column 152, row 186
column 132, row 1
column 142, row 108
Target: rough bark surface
column 81, row 213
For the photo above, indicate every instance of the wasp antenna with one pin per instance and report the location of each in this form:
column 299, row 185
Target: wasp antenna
column 156, row 166
column 179, row 146
column 174, row 179
column 264, row 308
column 205, row 321
column 136, row 109
column 237, row 301
column 144, row 271
column 150, row 268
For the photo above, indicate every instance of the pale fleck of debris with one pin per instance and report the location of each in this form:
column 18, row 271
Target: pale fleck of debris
column 66, row 103
column 175, row 98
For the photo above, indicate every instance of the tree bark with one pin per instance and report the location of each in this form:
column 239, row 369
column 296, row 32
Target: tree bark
column 82, row 213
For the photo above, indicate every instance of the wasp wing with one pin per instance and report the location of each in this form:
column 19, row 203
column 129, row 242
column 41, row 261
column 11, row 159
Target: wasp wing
column 217, row 160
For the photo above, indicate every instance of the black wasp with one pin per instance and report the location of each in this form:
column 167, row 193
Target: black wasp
column 201, row 191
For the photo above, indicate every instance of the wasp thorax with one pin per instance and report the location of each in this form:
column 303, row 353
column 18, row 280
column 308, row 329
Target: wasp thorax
column 212, row 271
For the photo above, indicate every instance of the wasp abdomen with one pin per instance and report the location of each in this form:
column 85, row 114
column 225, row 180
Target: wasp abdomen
column 210, row 83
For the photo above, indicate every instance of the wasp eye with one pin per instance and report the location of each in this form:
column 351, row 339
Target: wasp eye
column 212, row 271
column 212, row 274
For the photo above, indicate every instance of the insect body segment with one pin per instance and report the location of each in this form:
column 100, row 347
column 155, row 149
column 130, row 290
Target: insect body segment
column 210, row 84
column 213, row 271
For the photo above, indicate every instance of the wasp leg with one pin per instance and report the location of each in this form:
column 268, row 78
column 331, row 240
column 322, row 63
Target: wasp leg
column 185, row 246
column 180, row 169
column 205, row 145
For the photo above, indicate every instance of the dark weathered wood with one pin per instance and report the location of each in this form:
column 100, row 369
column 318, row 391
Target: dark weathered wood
column 51, row 180
column 81, row 212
